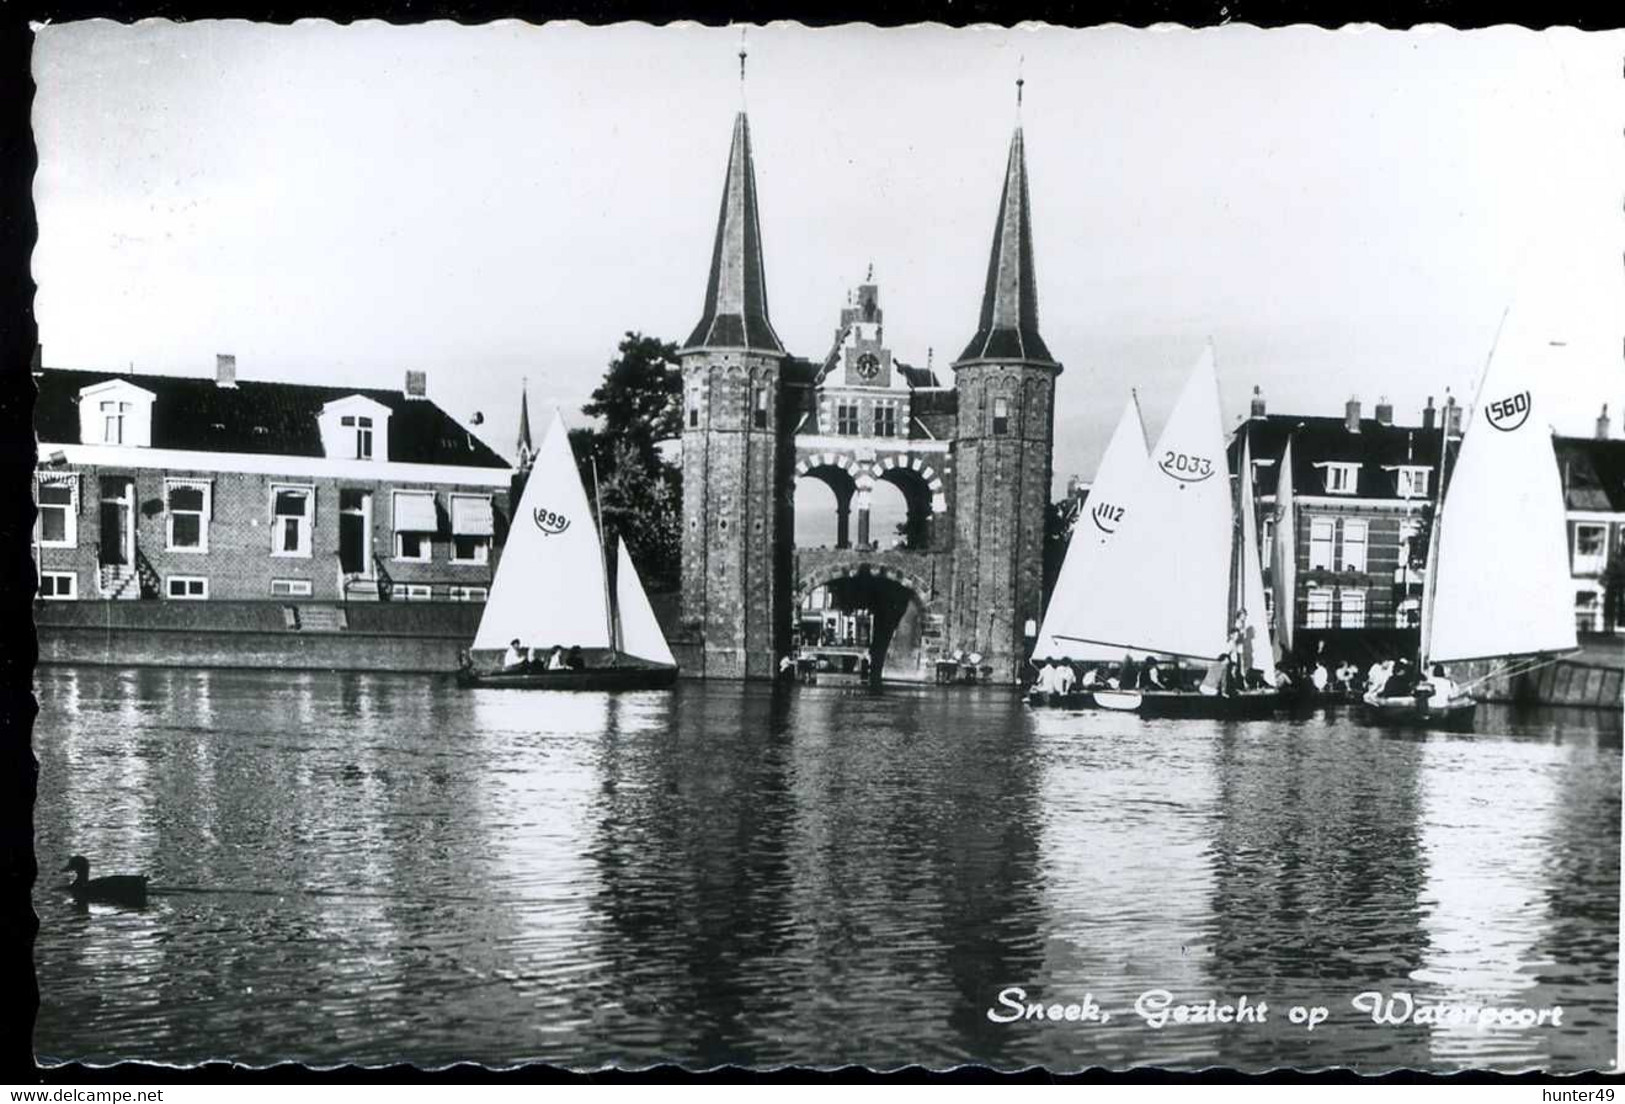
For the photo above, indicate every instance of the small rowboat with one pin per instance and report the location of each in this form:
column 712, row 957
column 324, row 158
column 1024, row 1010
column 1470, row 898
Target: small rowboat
column 1412, row 712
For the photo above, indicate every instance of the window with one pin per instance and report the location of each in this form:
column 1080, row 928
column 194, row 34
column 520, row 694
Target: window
column 293, row 509
column 186, row 586
column 472, row 527
column 113, row 415
column 1319, row 613
column 413, row 592
column 58, row 499
column 1586, row 609
column 1001, row 417
column 886, row 420
column 361, row 426
column 1590, row 544
column 290, row 588
column 415, row 524
column 467, row 594
column 846, row 419
column 1413, row 482
column 760, row 410
column 1351, row 608
column 1321, row 531
column 1354, row 542
column 1342, row 478
column 58, row 586
column 187, row 502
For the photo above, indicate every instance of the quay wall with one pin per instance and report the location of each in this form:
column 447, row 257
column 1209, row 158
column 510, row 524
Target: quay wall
column 409, row 637
column 1593, row 678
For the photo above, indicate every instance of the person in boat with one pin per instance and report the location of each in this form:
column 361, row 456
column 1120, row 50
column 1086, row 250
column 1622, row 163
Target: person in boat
column 1044, row 683
column 1400, row 684
column 787, row 666
column 1443, row 687
column 1377, row 677
column 555, row 659
column 1319, row 678
column 575, row 661
column 1346, row 674
column 1151, row 676
column 1065, row 677
column 514, row 658
column 1090, row 679
column 1128, row 673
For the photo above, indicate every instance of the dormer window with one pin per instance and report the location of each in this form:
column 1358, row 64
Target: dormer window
column 116, row 413
column 1412, row 481
column 355, row 428
column 1341, row 479
column 362, row 426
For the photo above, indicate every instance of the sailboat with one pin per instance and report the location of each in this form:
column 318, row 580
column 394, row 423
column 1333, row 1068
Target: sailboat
column 1498, row 554
column 551, row 591
column 1122, row 469
column 1181, row 575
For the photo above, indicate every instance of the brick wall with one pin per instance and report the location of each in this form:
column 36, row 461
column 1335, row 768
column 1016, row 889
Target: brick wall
column 239, row 563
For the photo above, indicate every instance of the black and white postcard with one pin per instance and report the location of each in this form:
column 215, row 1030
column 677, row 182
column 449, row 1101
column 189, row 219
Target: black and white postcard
column 626, row 545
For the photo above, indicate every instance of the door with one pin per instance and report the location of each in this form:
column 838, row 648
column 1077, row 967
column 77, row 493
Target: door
column 116, row 548
column 355, row 549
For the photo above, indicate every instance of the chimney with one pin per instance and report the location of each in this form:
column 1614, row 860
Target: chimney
column 1429, row 414
column 1351, row 414
column 225, row 370
column 1385, row 411
column 1258, row 402
column 1604, row 424
column 417, row 384
column 1452, row 416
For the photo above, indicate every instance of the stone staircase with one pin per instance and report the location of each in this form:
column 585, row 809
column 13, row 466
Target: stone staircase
column 118, row 581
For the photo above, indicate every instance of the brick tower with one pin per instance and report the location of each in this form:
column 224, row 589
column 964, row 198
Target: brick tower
column 736, row 491
column 1006, row 380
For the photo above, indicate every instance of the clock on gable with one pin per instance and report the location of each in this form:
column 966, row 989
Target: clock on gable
column 868, row 366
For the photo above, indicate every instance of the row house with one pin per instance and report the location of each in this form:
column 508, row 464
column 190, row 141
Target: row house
column 197, row 489
column 1593, row 470
column 1364, row 489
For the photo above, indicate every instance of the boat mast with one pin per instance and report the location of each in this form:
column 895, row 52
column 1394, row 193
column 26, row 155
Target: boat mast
column 610, row 619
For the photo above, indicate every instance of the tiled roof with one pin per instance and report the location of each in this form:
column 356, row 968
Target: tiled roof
column 1593, row 472
column 196, row 414
column 1377, row 448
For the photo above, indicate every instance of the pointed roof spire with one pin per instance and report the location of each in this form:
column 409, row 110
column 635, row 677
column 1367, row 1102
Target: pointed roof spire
column 1008, row 329
column 525, row 449
column 736, row 294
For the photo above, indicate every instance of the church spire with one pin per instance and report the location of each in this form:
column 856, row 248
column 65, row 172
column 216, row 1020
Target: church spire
column 1008, row 329
column 526, row 451
column 736, row 294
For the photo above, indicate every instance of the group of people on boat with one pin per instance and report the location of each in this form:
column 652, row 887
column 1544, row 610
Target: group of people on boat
column 521, row 658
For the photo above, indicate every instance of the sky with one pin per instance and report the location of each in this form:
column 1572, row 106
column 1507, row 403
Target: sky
column 1342, row 213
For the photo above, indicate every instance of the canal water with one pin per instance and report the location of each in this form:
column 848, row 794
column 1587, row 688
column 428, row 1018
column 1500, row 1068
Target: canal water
column 364, row 868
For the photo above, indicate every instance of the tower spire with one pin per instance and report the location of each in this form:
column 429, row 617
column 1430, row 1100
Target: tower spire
column 742, row 56
column 1008, row 327
column 524, row 448
column 735, row 315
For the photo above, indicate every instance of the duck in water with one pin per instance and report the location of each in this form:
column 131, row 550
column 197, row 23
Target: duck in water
column 115, row 889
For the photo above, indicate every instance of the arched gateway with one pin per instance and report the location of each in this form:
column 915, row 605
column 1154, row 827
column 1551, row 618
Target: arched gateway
column 969, row 458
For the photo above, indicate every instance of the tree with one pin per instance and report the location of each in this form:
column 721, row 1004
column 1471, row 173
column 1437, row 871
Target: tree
column 638, row 405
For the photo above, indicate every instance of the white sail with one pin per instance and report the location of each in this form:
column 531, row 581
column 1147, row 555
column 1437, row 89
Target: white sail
column 549, row 587
column 1122, row 469
column 1284, row 554
column 1501, row 582
column 1258, row 652
column 1163, row 583
column 640, row 631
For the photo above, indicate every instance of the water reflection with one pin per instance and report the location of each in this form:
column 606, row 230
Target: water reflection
column 372, row 868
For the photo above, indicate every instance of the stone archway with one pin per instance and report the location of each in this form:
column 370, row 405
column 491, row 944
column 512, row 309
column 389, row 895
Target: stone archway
column 896, row 603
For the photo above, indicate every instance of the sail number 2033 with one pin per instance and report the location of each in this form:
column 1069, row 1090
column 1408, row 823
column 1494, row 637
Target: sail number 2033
column 1185, row 467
